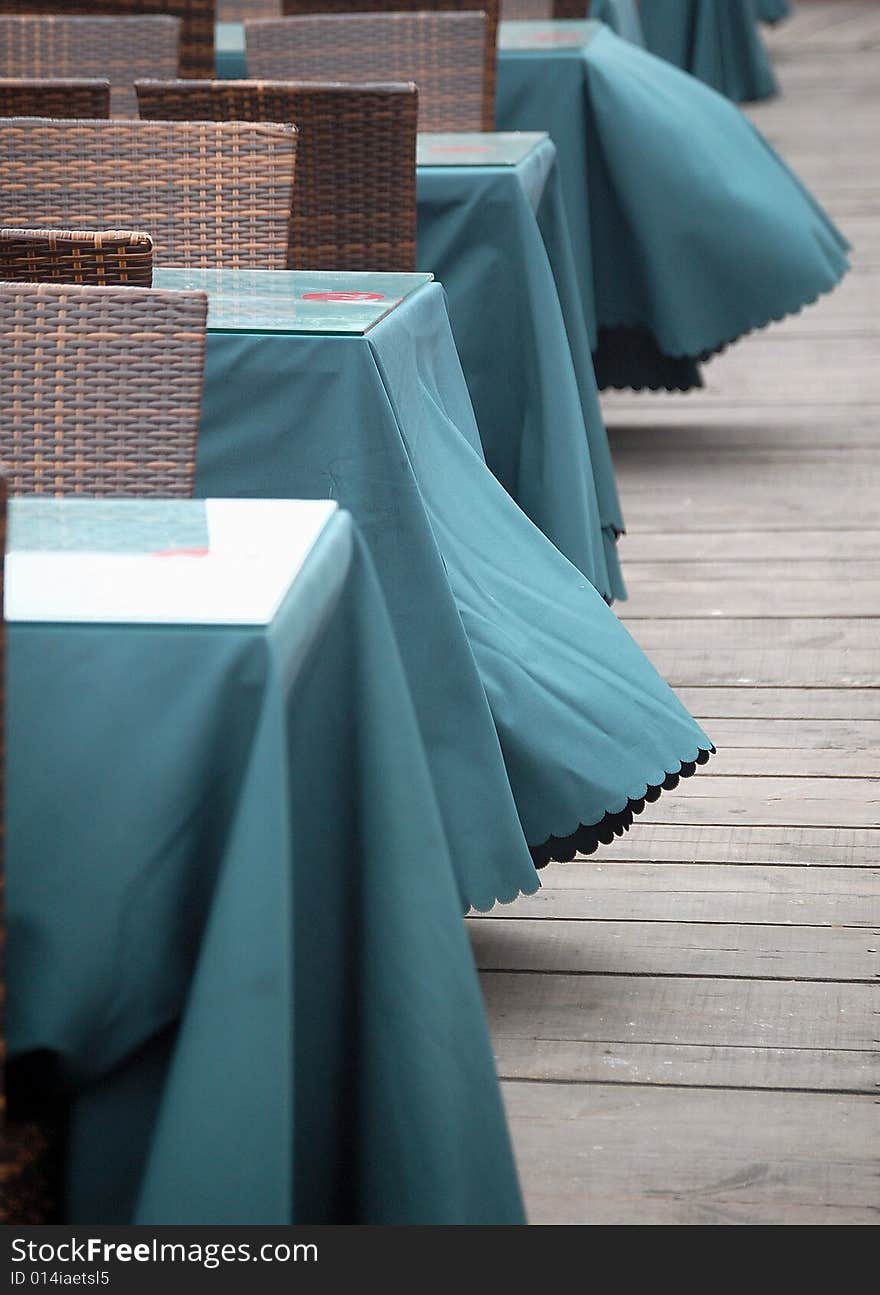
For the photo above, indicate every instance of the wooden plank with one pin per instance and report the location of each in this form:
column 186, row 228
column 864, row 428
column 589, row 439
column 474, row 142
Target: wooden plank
column 571, row 1061
column 700, row 595
column 682, row 1010
column 782, row 703
column 744, row 844
column 704, row 506
column 624, row 1155
column 839, row 737
column 750, row 762
column 800, row 550
column 769, row 802
column 606, row 890
column 756, row 652
column 627, row 948
column 765, row 571
column 638, row 423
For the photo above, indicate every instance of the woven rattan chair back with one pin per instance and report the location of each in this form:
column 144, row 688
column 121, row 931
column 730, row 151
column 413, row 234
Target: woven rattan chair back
column 447, row 54
column 354, row 201
column 556, row 9
column 103, row 389
column 197, row 22
column 208, row 193
column 80, row 97
column 118, row 49
column 105, row 257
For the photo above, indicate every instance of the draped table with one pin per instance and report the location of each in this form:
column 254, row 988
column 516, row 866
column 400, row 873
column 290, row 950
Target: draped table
column 717, row 41
column 234, row 924
column 687, row 229
column 542, row 720
column 493, row 228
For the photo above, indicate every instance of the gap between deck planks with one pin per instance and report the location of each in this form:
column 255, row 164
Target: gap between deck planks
column 686, row 1023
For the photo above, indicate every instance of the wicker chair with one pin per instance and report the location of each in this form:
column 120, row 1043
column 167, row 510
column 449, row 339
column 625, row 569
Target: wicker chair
column 82, row 97
column 442, row 52
column 399, row 70
column 105, row 257
column 197, row 19
column 120, row 49
column 208, row 193
column 555, row 9
column 354, row 201
column 104, row 389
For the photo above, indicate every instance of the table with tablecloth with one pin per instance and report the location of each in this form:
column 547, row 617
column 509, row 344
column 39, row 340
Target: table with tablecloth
column 717, row 41
column 687, row 228
column 540, row 716
column 496, row 236
column 235, row 937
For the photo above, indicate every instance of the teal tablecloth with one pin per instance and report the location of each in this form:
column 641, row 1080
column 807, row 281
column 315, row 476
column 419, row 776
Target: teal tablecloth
column 622, row 16
column 234, row 922
column 497, row 239
column 521, row 676
column 715, row 40
column 688, row 230
column 772, row 11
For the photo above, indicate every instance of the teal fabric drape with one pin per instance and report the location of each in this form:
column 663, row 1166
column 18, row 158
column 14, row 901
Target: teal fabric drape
column 715, row 40
column 622, row 16
column 493, row 623
column 250, row 964
column 497, row 239
column 687, row 227
column 773, row 11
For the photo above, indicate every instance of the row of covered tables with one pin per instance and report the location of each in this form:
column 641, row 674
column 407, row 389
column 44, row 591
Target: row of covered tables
column 258, row 995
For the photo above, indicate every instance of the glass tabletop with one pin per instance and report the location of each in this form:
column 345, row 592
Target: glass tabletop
column 476, row 148
column 156, row 561
column 533, row 35
column 294, row 301
column 229, row 37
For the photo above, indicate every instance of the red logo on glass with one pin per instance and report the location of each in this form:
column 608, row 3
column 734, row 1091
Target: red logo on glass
column 343, row 296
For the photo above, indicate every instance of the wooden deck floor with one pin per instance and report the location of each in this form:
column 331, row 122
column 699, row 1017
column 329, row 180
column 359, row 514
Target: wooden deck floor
column 687, row 1025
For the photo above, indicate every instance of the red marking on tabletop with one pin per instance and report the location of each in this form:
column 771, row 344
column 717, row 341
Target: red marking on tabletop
column 343, row 296
column 181, row 553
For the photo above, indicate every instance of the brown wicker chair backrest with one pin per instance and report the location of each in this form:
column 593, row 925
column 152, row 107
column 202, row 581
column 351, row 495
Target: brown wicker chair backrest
column 354, row 201
column 208, row 193
column 104, row 257
column 80, row 97
column 197, row 19
column 104, row 389
column 450, row 56
column 120, row 49
column 556, row 9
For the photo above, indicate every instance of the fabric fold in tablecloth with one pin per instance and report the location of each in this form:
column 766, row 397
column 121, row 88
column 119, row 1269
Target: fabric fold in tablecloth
column 688, row 228
column 588, row 729
column 717, row 41
column 307, row 418
column 498, row 241
column 772, row 11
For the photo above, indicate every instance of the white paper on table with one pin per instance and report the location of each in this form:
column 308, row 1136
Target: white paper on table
column 255, row 549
